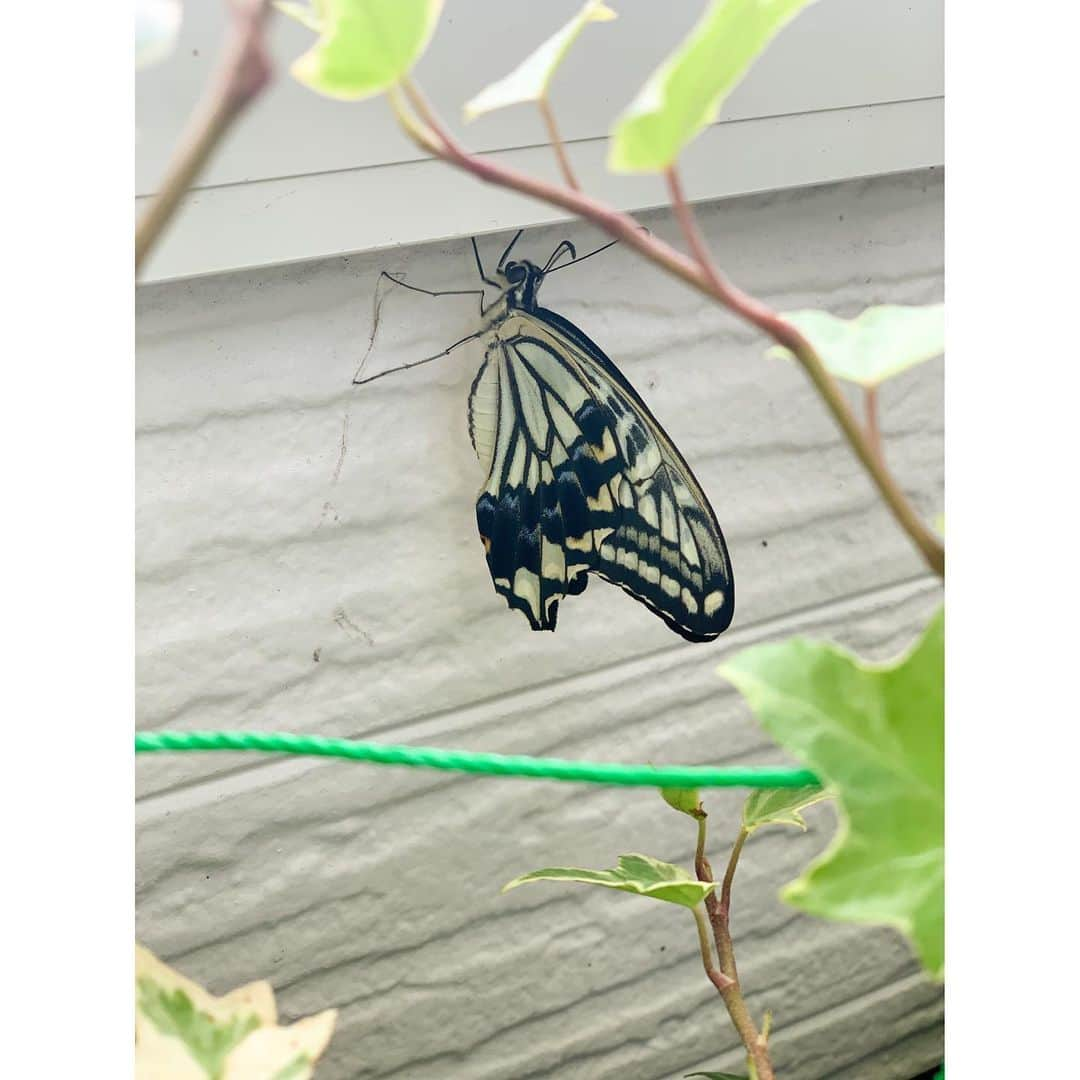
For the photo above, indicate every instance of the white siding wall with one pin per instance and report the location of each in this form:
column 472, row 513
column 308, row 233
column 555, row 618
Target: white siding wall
column 308, row 561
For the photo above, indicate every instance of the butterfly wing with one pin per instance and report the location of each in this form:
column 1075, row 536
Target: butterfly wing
column 582, row 479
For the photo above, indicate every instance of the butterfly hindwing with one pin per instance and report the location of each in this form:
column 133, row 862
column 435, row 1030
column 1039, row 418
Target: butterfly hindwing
column 537, row 509
column 581, row 478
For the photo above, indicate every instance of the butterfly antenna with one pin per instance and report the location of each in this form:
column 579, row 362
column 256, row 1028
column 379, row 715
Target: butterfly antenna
column 575, row 261
column 557, row 254
column 509, row 248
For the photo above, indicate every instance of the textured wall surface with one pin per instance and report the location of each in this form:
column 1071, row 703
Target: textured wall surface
column 308, row 560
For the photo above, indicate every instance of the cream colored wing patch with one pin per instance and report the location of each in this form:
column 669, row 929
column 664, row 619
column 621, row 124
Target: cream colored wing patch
column 581, row 478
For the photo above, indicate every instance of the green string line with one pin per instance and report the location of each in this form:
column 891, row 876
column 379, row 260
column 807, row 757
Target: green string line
column 430, row 757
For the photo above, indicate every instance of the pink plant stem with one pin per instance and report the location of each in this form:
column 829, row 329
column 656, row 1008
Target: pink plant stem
column 242, row 74
column 726, row 980
column 873, row 424
column 557, row 144
column 432, row 136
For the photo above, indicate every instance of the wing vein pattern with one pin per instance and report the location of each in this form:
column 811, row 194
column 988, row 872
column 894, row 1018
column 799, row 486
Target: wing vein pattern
column 582, row 479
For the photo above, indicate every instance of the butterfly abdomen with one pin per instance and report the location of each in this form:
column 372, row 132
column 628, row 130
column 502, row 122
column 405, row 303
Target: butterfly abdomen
column 483, row 413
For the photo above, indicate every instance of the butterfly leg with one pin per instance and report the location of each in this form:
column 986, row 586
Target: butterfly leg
column 381, row 292
column 357, row 381
column 480, row 266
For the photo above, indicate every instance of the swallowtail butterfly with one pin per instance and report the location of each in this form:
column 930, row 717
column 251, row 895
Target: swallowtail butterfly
column 580, row 477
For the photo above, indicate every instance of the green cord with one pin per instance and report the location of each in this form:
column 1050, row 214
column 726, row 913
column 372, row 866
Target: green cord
column 278, row 742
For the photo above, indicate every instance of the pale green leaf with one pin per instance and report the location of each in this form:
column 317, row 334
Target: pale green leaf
column 875, row 735
column 685, row 800
column 282, row 1053
column 716, row 1076
column 185, row 1033
column 364, row 46
column 529, row 81
column 683, row 96
column 208, row 1041
column 780, row 806
column 640, row 874
column 874, row 346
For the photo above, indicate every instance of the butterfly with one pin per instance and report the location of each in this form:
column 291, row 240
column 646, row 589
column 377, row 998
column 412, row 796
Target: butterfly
column 580, row 478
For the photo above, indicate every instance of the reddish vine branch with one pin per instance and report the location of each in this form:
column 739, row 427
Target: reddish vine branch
column 431, row 135
column 242, row 74
column 722, row 920
column 728, row 986
column 873, row 425
column 866, row 443
column 716, row 976
column 557, row 144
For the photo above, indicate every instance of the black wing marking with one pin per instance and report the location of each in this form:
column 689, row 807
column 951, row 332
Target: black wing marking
column 581, row 478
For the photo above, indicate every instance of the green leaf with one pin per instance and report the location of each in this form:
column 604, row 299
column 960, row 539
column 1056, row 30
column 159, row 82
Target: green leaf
column 685, row 800
column 683, row 96
column 208, row 1041
column 875, row 735
column 282, row 1053
column 874, row 346
column 365, row 46
column 640, row 874
column 529, row 81
column 780, row 806
column 185, row 1033
column 717, row 1076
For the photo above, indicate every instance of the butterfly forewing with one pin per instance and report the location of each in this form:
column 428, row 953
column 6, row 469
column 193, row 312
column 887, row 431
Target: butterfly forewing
column 581, row 478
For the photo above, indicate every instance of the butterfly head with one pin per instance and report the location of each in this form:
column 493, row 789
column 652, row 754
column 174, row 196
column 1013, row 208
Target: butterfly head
column 523, row 279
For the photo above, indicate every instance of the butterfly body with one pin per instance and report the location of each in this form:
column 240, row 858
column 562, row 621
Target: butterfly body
column 581, row 478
